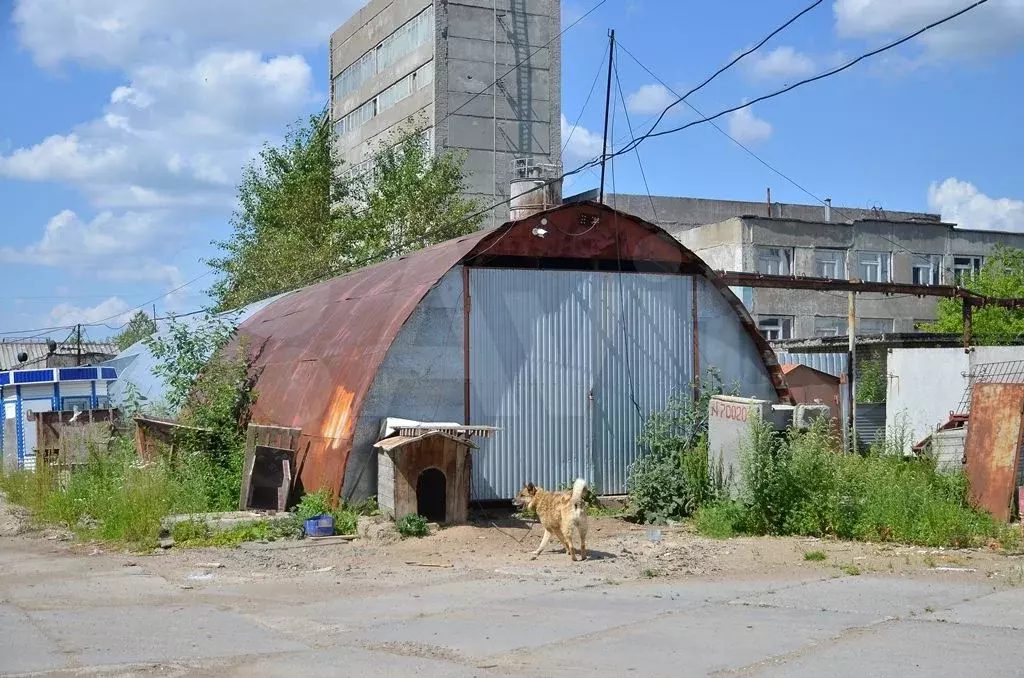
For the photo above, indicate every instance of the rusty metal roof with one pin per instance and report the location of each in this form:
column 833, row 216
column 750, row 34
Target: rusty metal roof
column 319, row 348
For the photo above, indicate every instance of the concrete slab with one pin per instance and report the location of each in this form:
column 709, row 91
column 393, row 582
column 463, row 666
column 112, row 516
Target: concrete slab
column 117, row 635
column 879, row 597
column 25, row 649
column 348, row 661
column 908, row 649
column 1004, row 609
column 693, row 643
column 126, row 585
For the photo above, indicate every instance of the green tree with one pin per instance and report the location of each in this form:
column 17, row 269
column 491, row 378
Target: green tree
column 137, row 329
column 301, row 218
column 1001, row 276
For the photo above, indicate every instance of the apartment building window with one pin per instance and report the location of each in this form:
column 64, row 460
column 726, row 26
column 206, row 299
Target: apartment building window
column 830, row 264
column 927, row 269
column 416, row 32
column 873, row 266
column 775, row 327
column 966, row 267
column 829, row 326
column 774, row 260
column 389, row 97
column 874, row 326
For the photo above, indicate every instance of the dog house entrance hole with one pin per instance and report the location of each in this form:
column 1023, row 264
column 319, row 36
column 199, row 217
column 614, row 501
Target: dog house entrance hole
column 431, row 495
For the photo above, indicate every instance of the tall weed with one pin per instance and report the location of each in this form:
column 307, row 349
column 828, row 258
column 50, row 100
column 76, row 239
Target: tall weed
column 798, row 483
column 672, row 478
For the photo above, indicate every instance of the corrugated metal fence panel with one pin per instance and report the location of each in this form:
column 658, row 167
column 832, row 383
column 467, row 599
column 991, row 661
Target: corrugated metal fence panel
column 530, row 359
column 870, row 423
column 644, row 352
column 557, row 360
column 725, row 345
column 829, row 363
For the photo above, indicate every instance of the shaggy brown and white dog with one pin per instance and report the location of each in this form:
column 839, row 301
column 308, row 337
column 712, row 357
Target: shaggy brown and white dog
column 559, row 513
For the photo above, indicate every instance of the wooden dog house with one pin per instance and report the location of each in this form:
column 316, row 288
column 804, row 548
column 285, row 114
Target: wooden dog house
column 427, row 473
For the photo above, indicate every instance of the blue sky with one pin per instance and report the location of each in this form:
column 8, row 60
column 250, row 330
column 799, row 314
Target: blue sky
column 124, row 126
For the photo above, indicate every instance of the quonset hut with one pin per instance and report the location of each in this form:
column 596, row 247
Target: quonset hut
column 564, row 329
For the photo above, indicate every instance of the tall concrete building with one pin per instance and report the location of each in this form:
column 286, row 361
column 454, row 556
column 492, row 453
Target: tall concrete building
column 440, row 65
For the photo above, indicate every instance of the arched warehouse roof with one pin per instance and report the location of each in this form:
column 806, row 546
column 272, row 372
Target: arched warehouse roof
column 393, row 339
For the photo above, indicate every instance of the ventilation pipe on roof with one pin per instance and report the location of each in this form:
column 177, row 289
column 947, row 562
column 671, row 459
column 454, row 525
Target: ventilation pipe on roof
column 828, row 209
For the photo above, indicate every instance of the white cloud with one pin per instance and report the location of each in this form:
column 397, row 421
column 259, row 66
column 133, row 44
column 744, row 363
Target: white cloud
column 114, row 33
column 118, row 248
column 993, row 28
column 67, row 241
column 173, row 137
column 782, row 63
column 961, row 202
column 747, row 128
column 650, row 100
column 580, row 143
column 113, row 311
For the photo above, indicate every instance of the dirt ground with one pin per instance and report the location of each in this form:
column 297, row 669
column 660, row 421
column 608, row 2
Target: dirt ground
column 619, row 552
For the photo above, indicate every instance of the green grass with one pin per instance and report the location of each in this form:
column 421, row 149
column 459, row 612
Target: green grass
column 798, row 484
column 113, row 498
column 815, row 556
column 850, row 569
column 412, row 525
column 196, row 534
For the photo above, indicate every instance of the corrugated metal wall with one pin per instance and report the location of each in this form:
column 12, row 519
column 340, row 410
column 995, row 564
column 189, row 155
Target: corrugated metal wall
column 557, row 359
column 870, row 423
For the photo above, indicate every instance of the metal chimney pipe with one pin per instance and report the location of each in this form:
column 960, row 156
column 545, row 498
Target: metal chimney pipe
column 828, row 209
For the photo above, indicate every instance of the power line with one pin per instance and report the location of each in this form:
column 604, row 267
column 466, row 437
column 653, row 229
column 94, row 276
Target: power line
column 592, row 163
column 821, row 76
column 735, row 60
column 639, row 162
column 593, row 85
column 757, row 157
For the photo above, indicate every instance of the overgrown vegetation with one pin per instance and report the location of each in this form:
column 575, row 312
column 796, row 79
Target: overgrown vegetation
column 815, row 556
column 116, row 496
column 672, row 478
column 798, row 483
column 1002, row 275
column 196, row 534
column 872, row 381
column 304, row 216
column 412, row 525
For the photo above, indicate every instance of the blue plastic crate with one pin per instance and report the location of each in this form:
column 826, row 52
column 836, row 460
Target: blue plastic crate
column 320, row 526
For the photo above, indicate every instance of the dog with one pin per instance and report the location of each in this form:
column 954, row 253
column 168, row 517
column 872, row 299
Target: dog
column 559, row 513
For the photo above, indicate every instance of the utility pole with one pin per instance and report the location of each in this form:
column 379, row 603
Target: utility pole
column 607, row 109
column 78, row 345
column 851, row 371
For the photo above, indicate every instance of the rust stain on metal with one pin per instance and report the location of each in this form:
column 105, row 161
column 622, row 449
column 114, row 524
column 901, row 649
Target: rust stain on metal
column 993, row 445
column 321, row 346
